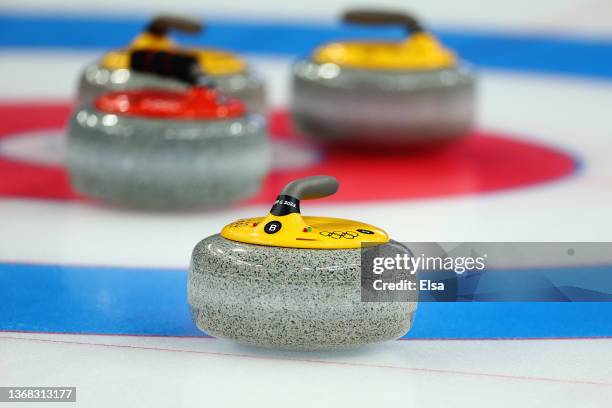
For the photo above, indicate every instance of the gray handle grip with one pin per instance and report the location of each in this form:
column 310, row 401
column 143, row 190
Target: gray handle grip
column 309, row 188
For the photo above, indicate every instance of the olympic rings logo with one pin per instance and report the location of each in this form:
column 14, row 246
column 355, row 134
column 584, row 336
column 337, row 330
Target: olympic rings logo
column 340, row 234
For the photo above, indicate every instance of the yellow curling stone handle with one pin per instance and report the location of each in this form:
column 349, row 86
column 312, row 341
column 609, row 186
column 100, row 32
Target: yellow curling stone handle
column 155, row 37
column 419, row 51
column 284, row 226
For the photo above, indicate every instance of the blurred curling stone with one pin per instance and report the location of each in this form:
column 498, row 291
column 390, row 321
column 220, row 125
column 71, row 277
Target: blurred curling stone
column 410, row 92
column 166, row 149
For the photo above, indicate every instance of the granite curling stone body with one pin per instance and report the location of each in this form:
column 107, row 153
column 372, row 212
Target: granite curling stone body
column 291, row 282
column 163, row 149
column 411, row 92
column 228, row 71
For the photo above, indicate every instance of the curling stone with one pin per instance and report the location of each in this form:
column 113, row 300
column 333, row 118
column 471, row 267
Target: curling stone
column 163, row 149
column 229, row 72
column 411, row 92
column 291, row 282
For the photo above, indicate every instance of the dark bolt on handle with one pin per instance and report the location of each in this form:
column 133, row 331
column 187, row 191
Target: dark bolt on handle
column 181, row 66
column 161, row 25
column 376, row 17
column 307, row 188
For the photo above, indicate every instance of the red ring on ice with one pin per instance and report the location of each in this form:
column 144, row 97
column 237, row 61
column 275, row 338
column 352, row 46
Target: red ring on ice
column 483, row 162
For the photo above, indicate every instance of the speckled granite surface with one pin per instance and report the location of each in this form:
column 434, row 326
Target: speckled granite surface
column 287, row 298
column 331, row 103
column 96, row 80
column 165, row 164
